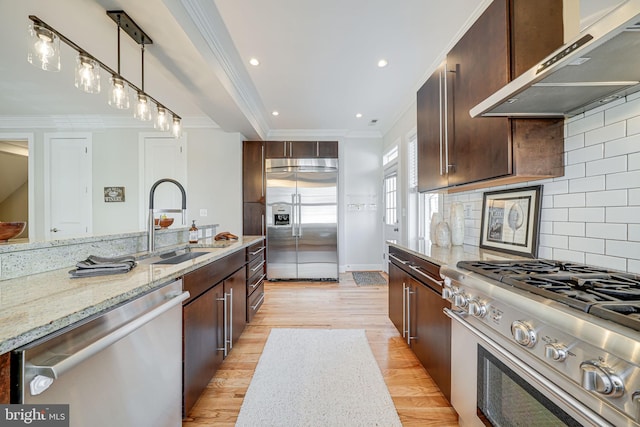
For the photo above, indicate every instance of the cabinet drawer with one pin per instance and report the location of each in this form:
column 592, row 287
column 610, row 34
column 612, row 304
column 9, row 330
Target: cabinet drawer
column 425, row 271
column 255, row 281
column 255, row 266
column 254, row 301
column 200, row 280
column 255, row 251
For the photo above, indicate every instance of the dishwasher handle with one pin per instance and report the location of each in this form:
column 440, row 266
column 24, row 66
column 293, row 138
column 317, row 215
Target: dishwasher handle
column 63, row 364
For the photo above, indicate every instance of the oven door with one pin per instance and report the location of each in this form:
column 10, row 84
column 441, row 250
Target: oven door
column 492, row 387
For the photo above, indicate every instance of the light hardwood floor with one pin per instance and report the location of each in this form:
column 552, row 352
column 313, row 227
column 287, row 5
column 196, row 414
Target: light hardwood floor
column 325, row 305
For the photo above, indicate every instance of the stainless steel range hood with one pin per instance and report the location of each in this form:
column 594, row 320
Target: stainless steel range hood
column 598, row 66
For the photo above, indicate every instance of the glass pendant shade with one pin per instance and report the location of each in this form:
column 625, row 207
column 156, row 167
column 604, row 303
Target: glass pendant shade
column 176, row 128
column 162, row 119
column 87, row 74
column 119, row 96
column 143, row 108
column 44, row 48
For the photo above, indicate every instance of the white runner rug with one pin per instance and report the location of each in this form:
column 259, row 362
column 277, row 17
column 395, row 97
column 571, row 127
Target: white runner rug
column 317, row 377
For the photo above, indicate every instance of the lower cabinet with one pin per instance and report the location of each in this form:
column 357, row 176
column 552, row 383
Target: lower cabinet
column 415, row 308
column 256, row 273
column 214, row 316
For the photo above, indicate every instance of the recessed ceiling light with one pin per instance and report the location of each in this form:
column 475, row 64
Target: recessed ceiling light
column 358, row 115
column 275, row 113
column 383, row 63
column 254, row 62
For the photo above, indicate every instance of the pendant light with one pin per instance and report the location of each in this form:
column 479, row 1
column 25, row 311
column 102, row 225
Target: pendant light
column 143, row 109
column 176, row 128
column 162, row 121
column 119, row 94
column 87, row 73
column 44, row 48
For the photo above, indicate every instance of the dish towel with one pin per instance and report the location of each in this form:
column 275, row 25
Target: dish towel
column 101, row 266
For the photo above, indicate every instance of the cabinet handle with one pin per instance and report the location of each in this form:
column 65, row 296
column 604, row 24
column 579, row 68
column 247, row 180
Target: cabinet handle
column 398, row 259
column 284, row 149
column 446, row 120
column 254, row 269
column 409, row 293
column 257, row 304
column 224, row 323
column 317, row 148
column 404, row 310
column 255, row 285
column 441, row 120
column 256, row 252
column 262, row 224
column 262, row 170
column 231, row 319
column 426, row 276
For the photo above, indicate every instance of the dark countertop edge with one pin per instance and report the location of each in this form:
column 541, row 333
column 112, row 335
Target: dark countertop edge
column 38, row 332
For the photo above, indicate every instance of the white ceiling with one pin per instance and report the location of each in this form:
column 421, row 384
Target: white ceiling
column 318, row 61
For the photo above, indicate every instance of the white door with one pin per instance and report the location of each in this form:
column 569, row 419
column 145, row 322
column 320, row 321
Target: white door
column 68, row 168
column 391, row 197
column 163, row 157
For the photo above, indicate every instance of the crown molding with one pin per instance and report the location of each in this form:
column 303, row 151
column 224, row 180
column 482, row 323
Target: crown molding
column 95, row 122
column 290, row 134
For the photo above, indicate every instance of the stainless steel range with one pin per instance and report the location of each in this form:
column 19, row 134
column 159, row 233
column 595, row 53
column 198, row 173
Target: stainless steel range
column 552, row 343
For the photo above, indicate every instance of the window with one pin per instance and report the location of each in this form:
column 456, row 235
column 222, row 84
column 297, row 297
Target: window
column 391, row 199
column 390, row 156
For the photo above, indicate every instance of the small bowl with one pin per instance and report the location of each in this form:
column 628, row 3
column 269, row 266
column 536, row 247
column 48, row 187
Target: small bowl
column 9, row 230
column 163, row 222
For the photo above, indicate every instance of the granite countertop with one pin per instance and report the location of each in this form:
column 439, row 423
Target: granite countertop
column 37, row 305
column 449, row 256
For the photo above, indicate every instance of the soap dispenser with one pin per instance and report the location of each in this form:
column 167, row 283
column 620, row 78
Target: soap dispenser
column 193, row 233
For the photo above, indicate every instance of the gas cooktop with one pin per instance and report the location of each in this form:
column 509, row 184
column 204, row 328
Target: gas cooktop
column 608, row 294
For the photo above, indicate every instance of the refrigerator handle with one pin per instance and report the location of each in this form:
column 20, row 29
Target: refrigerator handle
column 293, row 215
column 299, row 215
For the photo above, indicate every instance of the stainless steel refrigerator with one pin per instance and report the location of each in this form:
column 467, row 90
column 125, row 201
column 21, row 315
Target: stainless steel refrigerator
column 302, row 219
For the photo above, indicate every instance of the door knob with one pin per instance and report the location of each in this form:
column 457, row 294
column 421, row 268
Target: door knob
column 54, row 229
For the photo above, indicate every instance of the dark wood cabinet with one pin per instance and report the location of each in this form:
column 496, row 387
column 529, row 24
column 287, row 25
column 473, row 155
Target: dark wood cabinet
column 415, row 308
column 253, row 183
column 459, row 152
column 253, row 220
column 256, row 274
column 214, row 316
column 301, row 149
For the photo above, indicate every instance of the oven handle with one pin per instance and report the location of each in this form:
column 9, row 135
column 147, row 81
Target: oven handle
column 532, row 374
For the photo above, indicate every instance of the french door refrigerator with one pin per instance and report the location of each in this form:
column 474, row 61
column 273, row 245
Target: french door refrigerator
column 302, row 219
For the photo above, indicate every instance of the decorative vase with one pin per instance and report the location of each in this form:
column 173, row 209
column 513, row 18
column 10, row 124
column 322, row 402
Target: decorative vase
column 443, row 235
column 436, row 218
column 457, row 224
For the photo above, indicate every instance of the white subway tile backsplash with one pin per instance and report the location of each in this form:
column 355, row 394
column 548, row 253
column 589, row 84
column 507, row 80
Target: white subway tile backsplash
column 593, row 183
column 607, row 198
column 608, row 133
column 606, row 231
column 577, row 170
column 622, row 146
column 576, row 200
column 623, row 180
column 626, row 215
column 633, row 125
column 613, row 263
column 571, row 256
column 634, row 232
column 546, row 227
column 556, row 187
column 605, row 166
column 574, row 142
column 585, row 124
column 545, row 252
column 595, row 246
column 555, row 214
column 587, row 154
column 633, row 266
column 568, row 228
column 634, row 196
column 554, row 241
column 633, row 161
column 586, row 214
column 623, row 111
column 623, row 249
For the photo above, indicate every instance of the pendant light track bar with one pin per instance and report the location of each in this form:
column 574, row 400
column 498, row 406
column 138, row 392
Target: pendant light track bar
column 125, row 22
column 73, row 45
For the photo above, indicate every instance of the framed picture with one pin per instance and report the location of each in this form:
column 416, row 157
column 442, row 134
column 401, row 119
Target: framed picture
column 510, row 220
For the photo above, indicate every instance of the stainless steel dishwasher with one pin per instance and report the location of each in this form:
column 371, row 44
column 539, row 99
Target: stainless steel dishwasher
column 122, row 367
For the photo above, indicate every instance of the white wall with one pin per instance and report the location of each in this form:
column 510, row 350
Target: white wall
column 591, row 214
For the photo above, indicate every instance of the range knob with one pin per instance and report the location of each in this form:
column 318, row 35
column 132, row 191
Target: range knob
column 477, row 308
column 524, row 334
column 556, row 352
column 447, row 292
column 600, row 378
column 460, row 299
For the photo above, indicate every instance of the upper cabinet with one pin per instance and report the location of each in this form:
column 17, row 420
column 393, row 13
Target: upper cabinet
column 301, row 149
column 458, row 152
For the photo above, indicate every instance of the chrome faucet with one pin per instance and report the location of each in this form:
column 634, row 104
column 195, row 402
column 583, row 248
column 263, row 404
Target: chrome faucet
column 152, row 244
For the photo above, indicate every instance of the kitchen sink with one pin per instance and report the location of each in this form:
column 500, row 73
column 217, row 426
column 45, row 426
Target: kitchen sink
column 173, row 258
